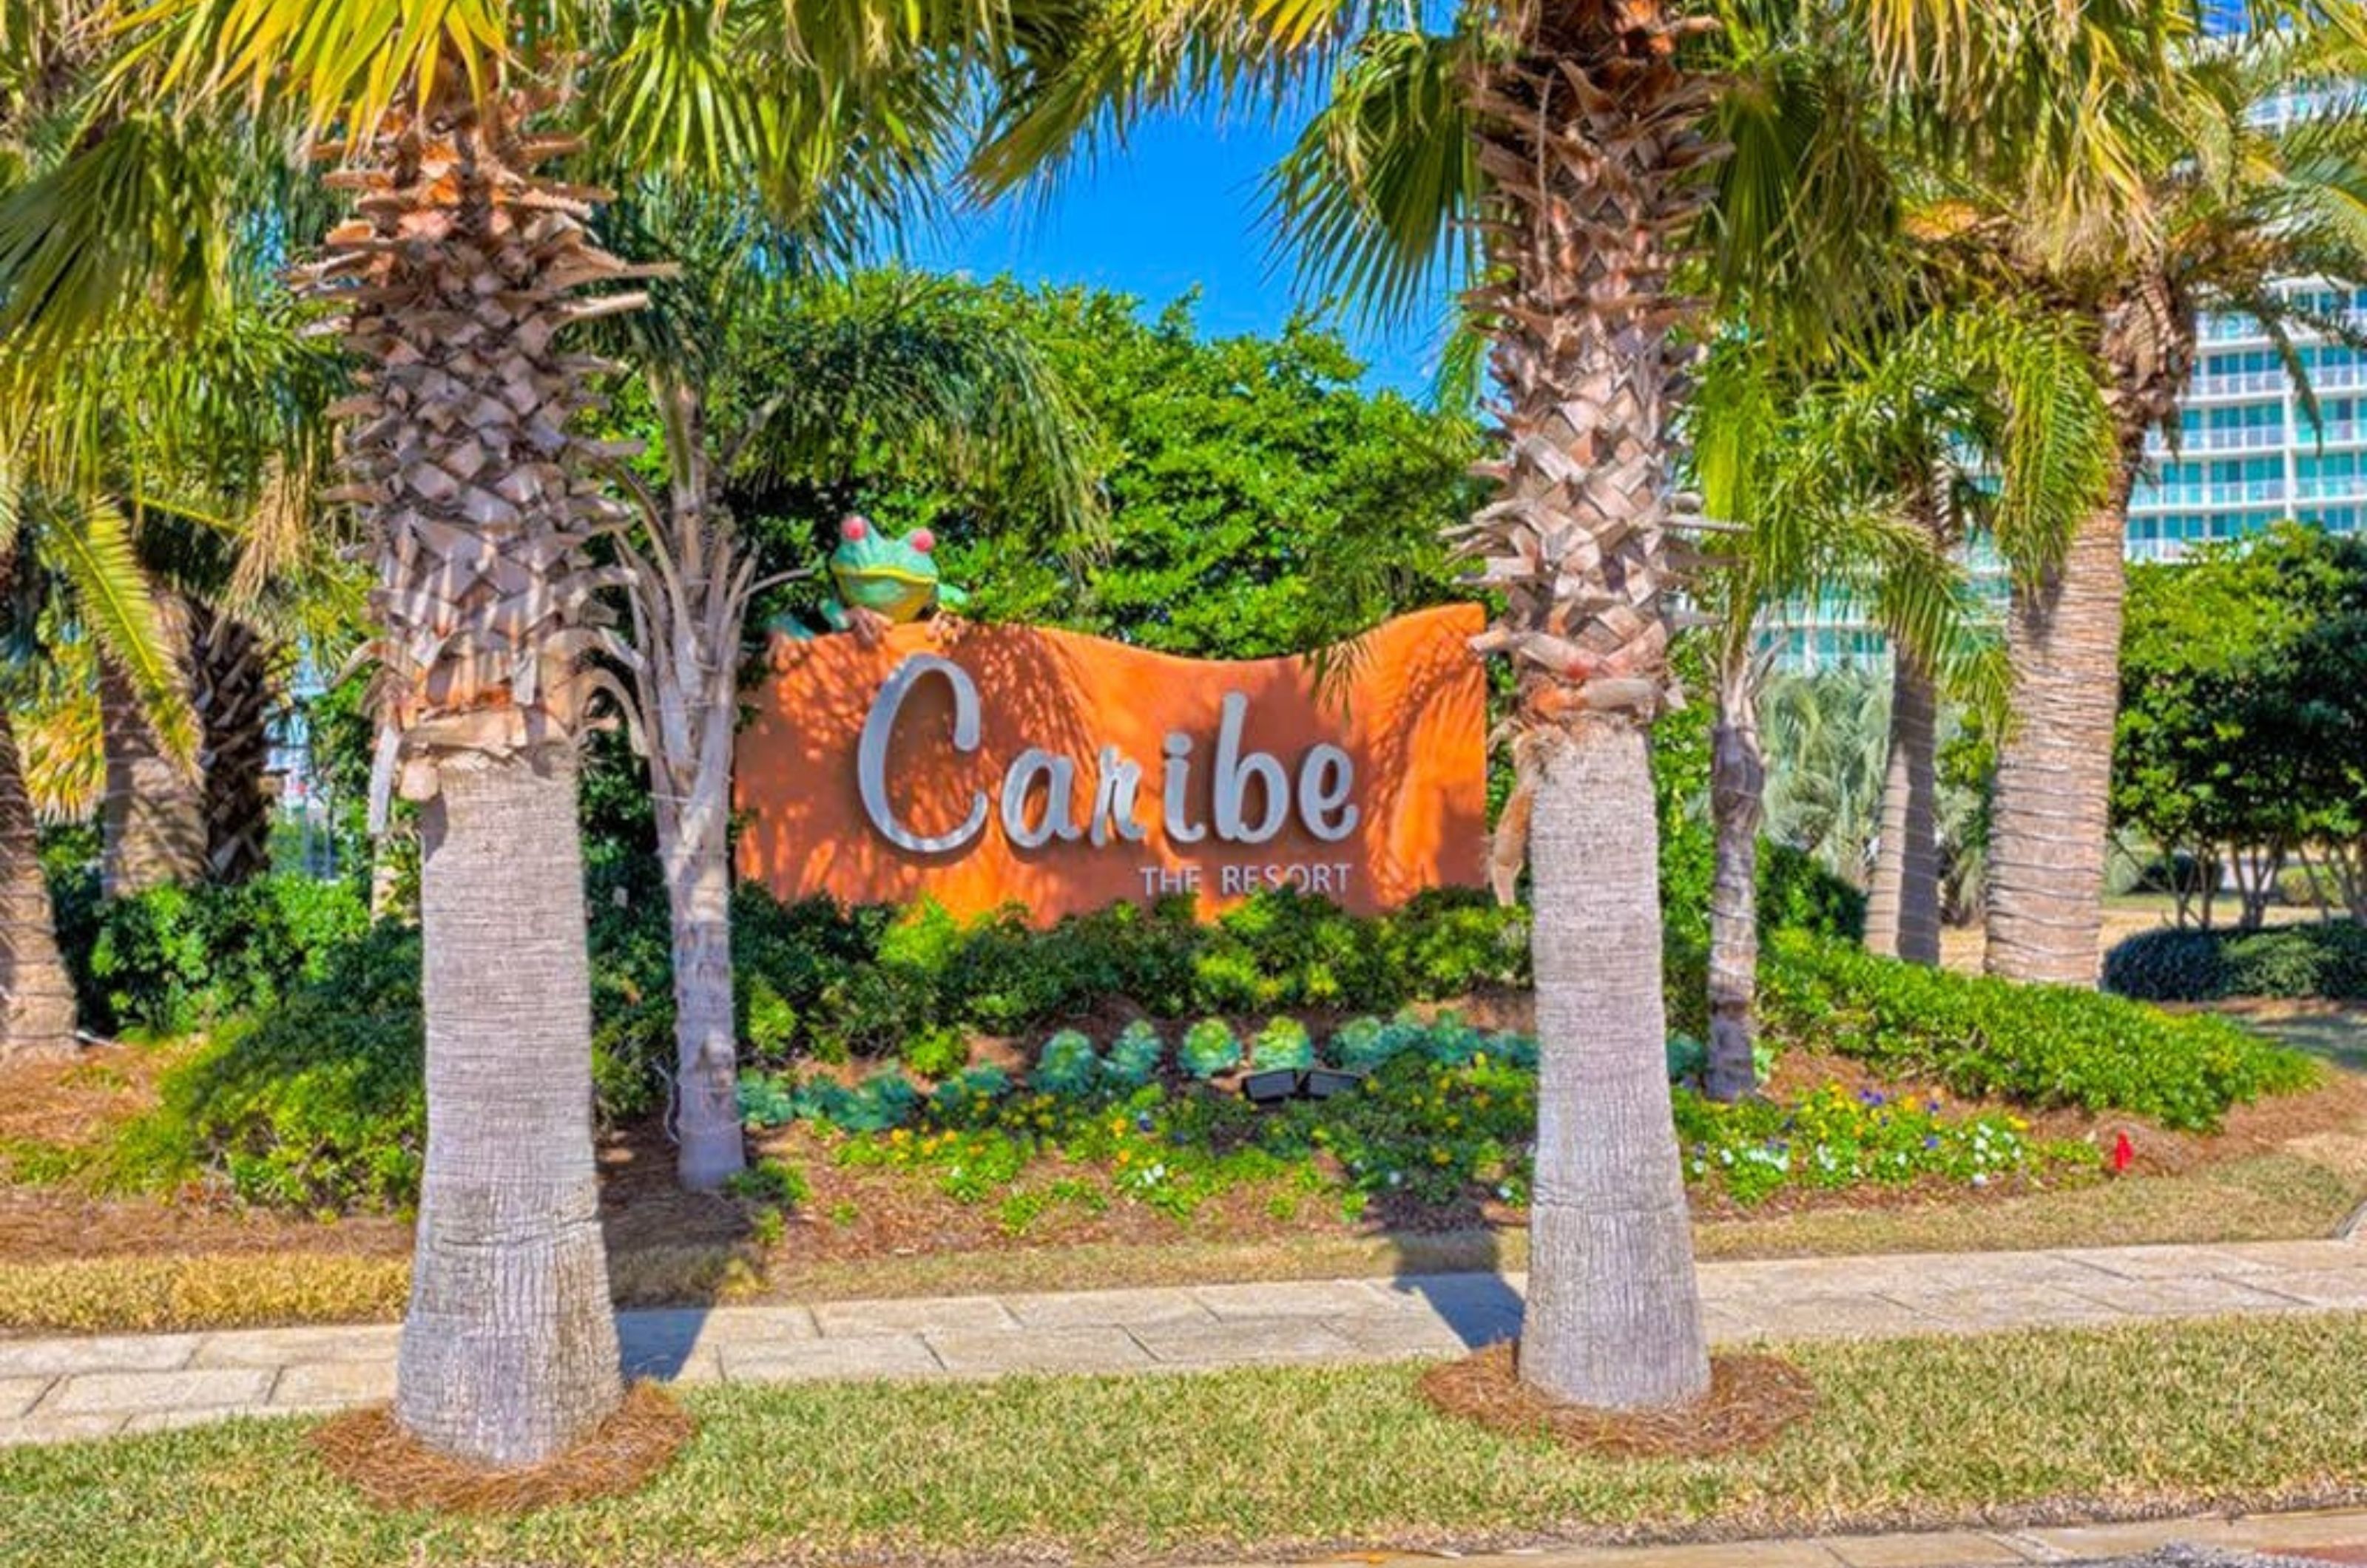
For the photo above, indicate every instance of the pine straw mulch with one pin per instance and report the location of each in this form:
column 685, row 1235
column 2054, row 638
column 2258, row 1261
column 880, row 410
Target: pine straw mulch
column 1752, row 1401
column 394, row 1469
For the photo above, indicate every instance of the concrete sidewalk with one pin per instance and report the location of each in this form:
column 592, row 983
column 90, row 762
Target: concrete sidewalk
column 58, row 1389
column 2331, row 1535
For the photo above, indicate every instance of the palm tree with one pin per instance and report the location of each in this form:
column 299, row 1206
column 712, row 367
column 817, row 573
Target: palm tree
column 456, row 281
column 1560, row 153
column 1980, row 420
column 1825, row 730
column 814, row 371
column 1839, row 486
column 57, row 543
column 148, row 415
column 2208, row 199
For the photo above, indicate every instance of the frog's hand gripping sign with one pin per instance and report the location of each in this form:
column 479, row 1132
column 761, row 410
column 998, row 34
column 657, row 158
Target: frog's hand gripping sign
column 882, row 582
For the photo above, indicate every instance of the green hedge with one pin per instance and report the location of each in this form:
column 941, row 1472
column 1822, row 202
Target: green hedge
column 2206, row 965
column 177, row 959
column 2043, row 1045
column 814, row 978
column 1798, row 894
column 318, row 1103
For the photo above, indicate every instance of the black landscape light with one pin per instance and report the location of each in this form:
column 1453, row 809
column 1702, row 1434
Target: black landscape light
column 1271, row 1086
column 1322, row 1083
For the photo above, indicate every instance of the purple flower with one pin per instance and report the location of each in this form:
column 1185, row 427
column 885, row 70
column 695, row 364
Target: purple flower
column 1930, row 1143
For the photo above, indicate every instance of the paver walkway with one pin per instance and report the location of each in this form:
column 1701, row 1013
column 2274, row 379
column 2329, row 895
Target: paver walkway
column 53, row 1389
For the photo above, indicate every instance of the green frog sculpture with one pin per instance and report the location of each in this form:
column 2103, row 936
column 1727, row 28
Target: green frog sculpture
column 881, row 583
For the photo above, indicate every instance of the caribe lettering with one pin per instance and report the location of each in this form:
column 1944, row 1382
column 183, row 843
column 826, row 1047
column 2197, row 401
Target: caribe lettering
column 1320, row 798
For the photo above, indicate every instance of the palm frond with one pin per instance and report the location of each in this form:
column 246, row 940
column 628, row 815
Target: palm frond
column 88, row 542
column 918, row 372
column 1377, row 199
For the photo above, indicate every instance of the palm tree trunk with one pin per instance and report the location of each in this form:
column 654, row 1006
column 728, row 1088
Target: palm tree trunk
column 509, row 1349
column 2051, row 812
column 2055, row 764
column 689, row 597
column 152, row 818
column 1613, row 1315
column 1737, row 788
column 1902, row 912
column 694, row 811
column 36, row 1000
column 230, row 672
column 707, row 1117
column 1590, row 132
column 458, row 279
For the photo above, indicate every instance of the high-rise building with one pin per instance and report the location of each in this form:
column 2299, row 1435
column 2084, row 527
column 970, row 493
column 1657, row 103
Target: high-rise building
column 2248, row 454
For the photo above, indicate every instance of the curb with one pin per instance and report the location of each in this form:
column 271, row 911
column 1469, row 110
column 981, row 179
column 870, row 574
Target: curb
column 2277, row 1538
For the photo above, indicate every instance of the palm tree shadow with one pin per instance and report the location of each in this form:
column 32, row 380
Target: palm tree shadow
column 1477, row 1302
column 658, row 1342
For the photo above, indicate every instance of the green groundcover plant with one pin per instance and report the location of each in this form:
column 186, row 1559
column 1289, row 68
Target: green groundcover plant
column 2042, row 1045
column 1445, row 1115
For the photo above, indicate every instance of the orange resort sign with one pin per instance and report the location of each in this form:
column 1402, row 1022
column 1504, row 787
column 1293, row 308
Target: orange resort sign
column 986, row 765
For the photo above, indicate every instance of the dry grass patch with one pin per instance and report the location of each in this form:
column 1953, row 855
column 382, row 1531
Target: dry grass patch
column 1752, row 1401
column 366, row 1450
column 90, row 1295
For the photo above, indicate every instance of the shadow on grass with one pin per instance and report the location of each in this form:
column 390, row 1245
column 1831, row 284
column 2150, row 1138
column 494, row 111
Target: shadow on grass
column 2335, row 1033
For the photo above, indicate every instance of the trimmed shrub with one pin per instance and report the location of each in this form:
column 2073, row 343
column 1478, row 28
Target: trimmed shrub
column 1135, row 1054
column 1798, row 894
column 937, row 1052
column 1068, row 1066
column 2043, row 1045
column 1210, row 1048
column 1283, row 1042
column 1451, row 1042
column 177, row 959
column 318, row 1103
column 2295, row 962
column 881, row 1101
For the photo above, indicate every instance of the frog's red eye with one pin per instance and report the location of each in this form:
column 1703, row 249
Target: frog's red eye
column 854, row 528
column 922, row 540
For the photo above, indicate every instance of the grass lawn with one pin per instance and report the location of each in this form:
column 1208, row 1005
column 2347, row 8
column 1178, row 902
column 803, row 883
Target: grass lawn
column 2018, row 1428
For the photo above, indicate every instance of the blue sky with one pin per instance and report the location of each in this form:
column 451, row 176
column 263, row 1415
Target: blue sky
column 1177, row 208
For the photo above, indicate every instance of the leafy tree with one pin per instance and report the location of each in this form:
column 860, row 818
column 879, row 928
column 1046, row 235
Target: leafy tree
column 2236, row 737
column 1257, row 502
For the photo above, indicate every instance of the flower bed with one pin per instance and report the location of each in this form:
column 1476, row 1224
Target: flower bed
column 1443, row 1114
